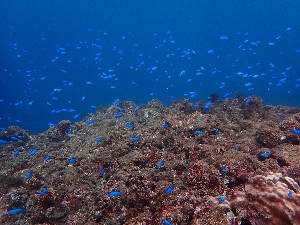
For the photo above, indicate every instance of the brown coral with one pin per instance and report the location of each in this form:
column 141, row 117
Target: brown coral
column 269, row 200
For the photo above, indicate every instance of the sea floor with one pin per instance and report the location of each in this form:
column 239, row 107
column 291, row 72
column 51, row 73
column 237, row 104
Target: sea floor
column 228, row 162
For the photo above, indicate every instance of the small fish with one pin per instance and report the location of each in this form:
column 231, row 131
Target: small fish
column 28, row 176
column 160, row 165
column 90, row 121
column 43, row 192
column 118, row 115
column 13, row 138
column 248, row 100
column 223, row 37
column 3, row 142
column 199, row 132
column 265, row 154
column 102, row 171
column 207, row 109
column 15, row 211
column 115, row 193
column 169, row 189
column 72, row 160
column 33, row 152
column 136, row 108
column 224, row 170
column 165, row 126
column 290, row 194
column 97, row 139
column 47, row 158
column 296, row 131
column 222, row 199
column 16, row 152
column 226, row 95
column 135, row 138
column 182, row 72
column 166, row 222
column 130, row 125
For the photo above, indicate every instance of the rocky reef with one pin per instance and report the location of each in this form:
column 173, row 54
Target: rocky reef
column 231, row 161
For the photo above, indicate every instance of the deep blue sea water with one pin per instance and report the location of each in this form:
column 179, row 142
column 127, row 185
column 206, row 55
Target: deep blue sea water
column 61, row 58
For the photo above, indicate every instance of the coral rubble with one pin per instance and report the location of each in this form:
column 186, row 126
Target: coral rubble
column 237, row 161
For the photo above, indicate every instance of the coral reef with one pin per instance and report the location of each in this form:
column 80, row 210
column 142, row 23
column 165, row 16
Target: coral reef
column 153, row 164
column 269, row 199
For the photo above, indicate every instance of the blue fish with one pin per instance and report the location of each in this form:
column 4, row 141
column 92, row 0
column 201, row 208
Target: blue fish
column 90, row 121
column 135, row 138
column 207, row 109
column 224, row 170
column 248, row 100
column 199, row 132
column 296, row 131
column 102, row 172
column 169, row 189
column 97, row 139
column 33, row 152
column 226, row 95
column 28, row 176
column 43, row 192
column 160, row 165
column 16, row 152
column 4, row 142
column 72, row 160
column 47, row 158
column 165, row 126
column 265, row 154
column 118, row 115
column 222, row 199
column 166, row 222
column 290, row 194
column 15, row 211
column 14, row 138
column 136, row 108
column 130, row 125
column 115, row 193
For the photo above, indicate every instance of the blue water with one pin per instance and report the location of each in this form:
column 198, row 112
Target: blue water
column 136, row 50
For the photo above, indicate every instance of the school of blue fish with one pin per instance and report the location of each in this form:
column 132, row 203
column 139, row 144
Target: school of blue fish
column 63, row 90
